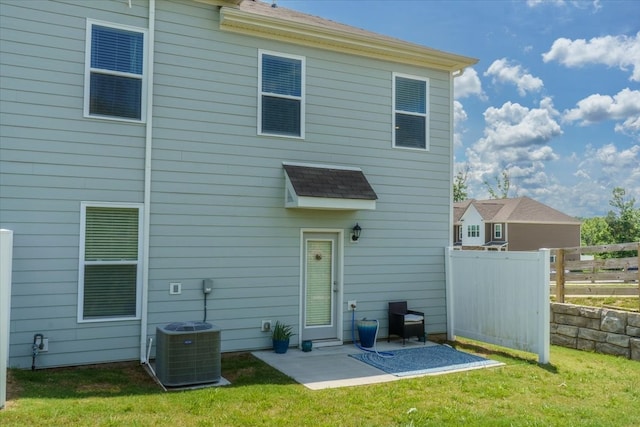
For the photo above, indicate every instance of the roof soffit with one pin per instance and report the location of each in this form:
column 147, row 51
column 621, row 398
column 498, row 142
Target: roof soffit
column 359, row 43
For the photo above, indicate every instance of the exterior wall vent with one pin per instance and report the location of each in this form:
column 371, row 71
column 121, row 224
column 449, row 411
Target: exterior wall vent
column 188, row 353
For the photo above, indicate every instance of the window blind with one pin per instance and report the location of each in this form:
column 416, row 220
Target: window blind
column 410, row 112
column 411, row 95
column 111, row 234
column 110, row 291
column 117, row 58
column 111, row 262
column 282, row 76
column 281, row 95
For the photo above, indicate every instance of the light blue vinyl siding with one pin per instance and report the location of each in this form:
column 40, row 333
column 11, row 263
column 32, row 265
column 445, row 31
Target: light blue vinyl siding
column 51, row 159
column 217, row 203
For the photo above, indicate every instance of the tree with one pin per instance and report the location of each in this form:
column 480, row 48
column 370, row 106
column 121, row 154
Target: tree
column 624, row 225
column 502, row 186
column 595, row 231
column 460, row 185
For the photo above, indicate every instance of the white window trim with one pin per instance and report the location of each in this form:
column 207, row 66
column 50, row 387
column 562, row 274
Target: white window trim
column 88, row 69
column 301, row 98
column 426, row 115
column 473, row 230
column 81, row 263
column 497, row 231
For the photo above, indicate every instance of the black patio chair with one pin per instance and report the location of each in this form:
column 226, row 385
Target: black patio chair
column 405, row 323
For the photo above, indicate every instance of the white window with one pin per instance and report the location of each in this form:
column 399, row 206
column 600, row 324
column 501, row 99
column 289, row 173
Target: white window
column 115, row 72
column 110, row 271
column 473, row 231
column 460, row 233
column 497, row 231
column 281, row 83
column 410, row 108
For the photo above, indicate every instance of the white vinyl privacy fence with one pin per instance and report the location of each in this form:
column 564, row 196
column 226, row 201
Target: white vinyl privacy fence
column 6, row 260
column 500, row 298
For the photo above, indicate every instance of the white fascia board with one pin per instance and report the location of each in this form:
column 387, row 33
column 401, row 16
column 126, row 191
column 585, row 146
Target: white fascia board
column 327, row 203
column 368, row 45
column 232, row 3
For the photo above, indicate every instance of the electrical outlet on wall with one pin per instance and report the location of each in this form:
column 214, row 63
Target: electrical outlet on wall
column 266, row 326
column 175, row 288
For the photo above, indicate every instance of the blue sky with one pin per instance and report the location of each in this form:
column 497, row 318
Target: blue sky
column 554, row 98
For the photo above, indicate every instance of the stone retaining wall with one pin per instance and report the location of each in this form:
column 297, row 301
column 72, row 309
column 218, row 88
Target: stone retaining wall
column 601, row 330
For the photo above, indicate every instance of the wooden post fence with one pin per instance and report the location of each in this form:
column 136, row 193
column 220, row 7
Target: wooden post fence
column 569, row 267
column 560, row 275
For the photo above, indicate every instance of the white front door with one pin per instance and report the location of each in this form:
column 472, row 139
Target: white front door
column 320, row 286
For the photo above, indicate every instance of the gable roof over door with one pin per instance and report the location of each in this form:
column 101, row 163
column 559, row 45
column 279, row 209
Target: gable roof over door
column 327, row 187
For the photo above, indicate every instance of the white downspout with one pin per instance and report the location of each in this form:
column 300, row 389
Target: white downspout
column 147, row 183
column 449, row 290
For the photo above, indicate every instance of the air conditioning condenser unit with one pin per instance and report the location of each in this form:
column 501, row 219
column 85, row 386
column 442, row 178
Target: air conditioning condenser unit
column 188, row 353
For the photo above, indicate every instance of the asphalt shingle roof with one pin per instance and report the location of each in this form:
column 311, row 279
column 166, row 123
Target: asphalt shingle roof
column 327, row 182
column 520, row 209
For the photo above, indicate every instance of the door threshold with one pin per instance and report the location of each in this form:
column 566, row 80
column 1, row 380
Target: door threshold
column 327, row 343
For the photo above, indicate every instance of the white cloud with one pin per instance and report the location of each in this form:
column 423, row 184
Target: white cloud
column 609, row 167
column 630, row 126
column 600, row 169
column 580, row 4
column 514, row 125
column 613, row 51
column 625, row 105
column 612, row 161
column 505, row 72
column 459, row 117
column 515, row 139
column 468, row 84
column 534, row 3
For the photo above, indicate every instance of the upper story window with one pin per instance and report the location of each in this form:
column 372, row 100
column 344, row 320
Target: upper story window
column 497, row 231
column 410, row 108
column 281, row 82
column 115, row 72
column 473, row 231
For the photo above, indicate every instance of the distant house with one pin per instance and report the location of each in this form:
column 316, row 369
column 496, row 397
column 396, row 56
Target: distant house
column 150, row 145
column 519, row 224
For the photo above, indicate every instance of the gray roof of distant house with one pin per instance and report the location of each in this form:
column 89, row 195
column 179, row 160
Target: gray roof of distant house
column 516, row 210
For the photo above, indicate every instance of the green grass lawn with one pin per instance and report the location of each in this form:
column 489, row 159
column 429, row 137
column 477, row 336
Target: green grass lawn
column 576, row 389
column 616, row 302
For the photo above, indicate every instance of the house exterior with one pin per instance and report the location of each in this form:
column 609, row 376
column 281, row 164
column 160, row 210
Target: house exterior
column 518, row 224
column 151, row 148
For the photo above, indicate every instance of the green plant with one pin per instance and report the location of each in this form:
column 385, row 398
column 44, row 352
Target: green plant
column 282, row 331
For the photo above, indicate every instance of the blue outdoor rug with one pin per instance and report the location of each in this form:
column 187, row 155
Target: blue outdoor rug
column 432, row 359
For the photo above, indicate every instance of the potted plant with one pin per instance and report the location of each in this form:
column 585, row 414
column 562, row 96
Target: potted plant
column 280, row 335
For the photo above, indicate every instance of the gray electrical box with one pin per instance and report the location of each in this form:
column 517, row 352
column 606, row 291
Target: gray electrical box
column 207, row 286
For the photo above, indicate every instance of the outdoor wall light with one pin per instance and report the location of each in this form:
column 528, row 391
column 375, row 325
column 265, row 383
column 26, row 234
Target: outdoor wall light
column 355, row 233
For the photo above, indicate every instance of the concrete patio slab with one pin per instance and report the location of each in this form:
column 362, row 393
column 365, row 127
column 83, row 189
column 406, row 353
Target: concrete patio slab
column 331, row 367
